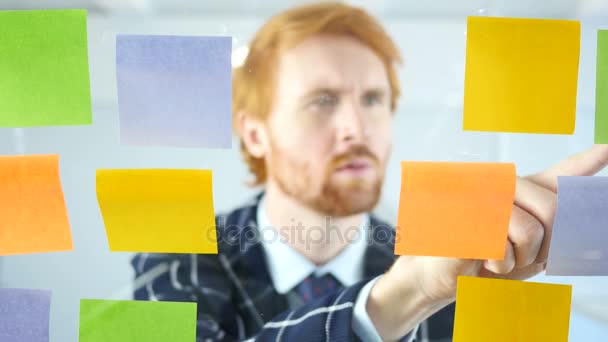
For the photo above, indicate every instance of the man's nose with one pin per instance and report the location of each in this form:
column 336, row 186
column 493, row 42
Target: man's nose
column 351, row 124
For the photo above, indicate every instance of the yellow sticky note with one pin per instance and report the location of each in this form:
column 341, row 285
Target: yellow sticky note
column 500, row 310
column 158, row 210
column 521, row 75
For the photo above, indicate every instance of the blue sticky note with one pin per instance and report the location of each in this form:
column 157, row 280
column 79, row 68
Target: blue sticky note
column 174, row 90
column 24, row 315
column 579, row 242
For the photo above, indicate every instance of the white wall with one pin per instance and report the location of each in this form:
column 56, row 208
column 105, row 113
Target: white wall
column 427, row 127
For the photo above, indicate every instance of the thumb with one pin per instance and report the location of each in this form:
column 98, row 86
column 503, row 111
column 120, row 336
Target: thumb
column 586, row 163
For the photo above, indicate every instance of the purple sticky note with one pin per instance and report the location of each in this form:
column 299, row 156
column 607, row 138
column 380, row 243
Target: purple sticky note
column 174, row 90
column 24, row 315
column 579, row 244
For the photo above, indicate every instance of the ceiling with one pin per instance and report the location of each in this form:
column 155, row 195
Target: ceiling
column 392, row 8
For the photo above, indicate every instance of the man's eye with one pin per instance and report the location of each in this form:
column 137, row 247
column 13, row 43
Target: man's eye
column 324, row 101
column 371, row 100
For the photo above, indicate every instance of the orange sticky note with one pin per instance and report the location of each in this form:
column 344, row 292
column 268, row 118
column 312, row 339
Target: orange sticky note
column 33, row 215
column 501, row 310
column 459, row 210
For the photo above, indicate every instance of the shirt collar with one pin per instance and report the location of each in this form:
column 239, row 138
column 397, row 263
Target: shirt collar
column 288, row 268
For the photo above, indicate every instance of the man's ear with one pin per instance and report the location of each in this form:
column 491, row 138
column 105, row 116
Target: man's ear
column 253, row 133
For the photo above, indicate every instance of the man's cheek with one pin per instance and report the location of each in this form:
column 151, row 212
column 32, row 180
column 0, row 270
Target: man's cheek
column 385, row 146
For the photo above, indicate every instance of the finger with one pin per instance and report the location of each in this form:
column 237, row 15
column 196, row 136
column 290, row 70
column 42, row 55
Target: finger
column 526, row 234
column 586, row 163
column 540, row 203
column 517, row 274
column 502, row 266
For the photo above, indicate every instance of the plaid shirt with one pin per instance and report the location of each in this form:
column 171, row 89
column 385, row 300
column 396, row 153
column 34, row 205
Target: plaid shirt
column 236, row 297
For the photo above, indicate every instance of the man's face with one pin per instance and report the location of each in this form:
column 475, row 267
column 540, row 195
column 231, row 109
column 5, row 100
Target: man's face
column 330, row 125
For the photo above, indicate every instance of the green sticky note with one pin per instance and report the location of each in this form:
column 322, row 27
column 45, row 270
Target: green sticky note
column 127, row 321
column 601, row 89
column 44, row 68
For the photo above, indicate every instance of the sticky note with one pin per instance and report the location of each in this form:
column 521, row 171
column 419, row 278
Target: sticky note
column 45, row 68
column 500, row 310
column 579, row 242
column 24, row 315
column 459, row 210
column 33, row 214
column 127, row 321
column 174, row 90
column 158, row 210
column 601, row 89
column 521, row 75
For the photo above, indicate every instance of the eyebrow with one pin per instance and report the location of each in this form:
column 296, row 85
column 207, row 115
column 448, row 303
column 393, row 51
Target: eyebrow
column 324, row 90
column 337, row 91
column 376, row 91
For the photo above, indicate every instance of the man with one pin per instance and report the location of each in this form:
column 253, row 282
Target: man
column 314, row 104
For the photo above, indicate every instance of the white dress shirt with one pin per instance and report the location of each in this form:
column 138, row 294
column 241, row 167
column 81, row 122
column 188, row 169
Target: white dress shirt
column 288, row 268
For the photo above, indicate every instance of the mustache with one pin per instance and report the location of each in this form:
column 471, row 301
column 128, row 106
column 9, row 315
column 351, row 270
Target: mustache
column 357, row 151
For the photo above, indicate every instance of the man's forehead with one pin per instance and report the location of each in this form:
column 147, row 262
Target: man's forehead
column 338, row 62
